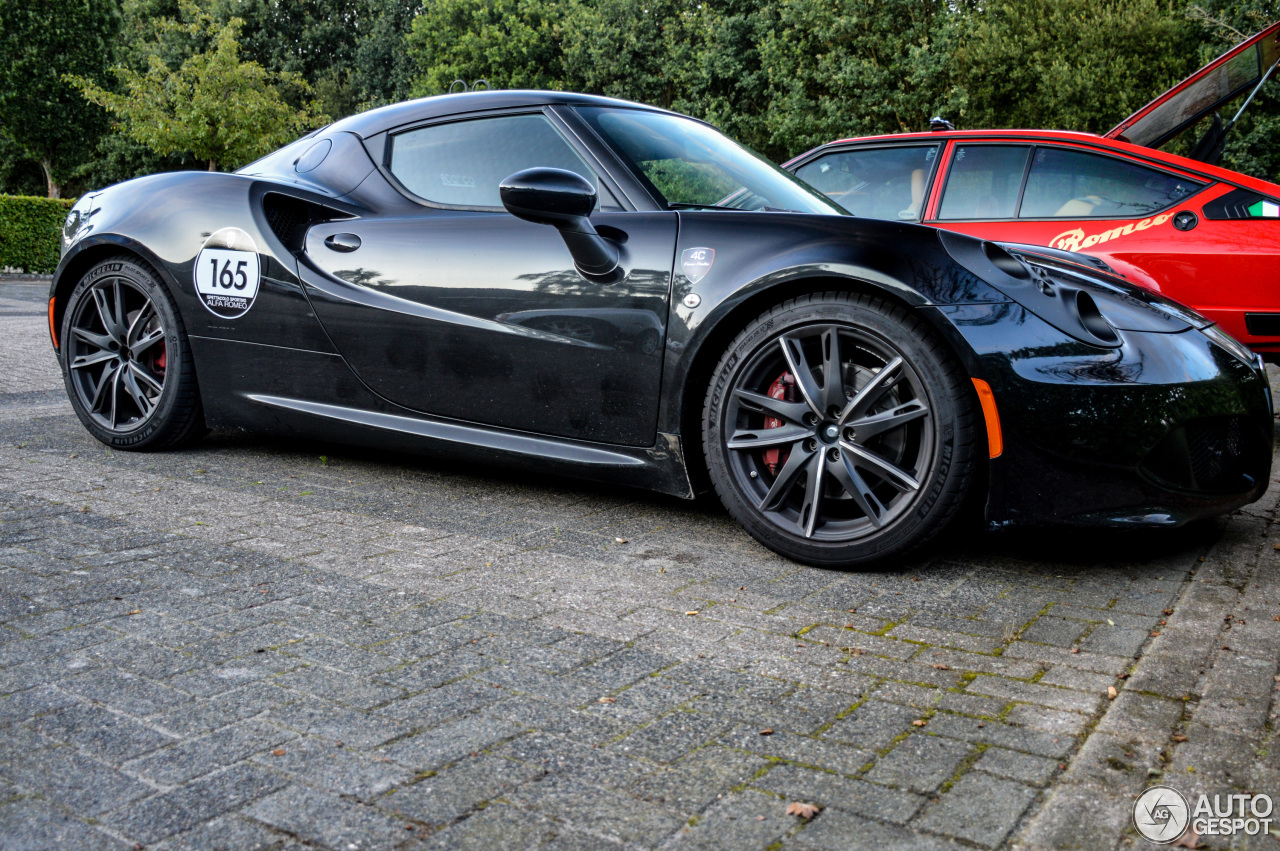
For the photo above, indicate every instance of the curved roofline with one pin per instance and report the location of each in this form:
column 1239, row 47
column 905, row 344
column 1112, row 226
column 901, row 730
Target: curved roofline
column 384, row 118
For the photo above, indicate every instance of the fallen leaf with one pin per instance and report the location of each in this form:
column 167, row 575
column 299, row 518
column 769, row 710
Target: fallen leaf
column 1111, row 622
column 919, row 722
column 607, row 700
column 805, row 811
column 942, row 667
column 1111, row 692
column 1075, row 649
column 1167, row 612
column 278, row 752
column 759, row 818
column 1179, row 738
column 139, row 611
column 767, row 731
column 691, row 613
column 620, row 540
column 1190, row 839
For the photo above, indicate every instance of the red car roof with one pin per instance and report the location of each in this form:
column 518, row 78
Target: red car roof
column 1070, row 137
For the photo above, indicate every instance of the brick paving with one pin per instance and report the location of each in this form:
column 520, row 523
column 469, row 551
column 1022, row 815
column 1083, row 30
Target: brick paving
column 267, row 644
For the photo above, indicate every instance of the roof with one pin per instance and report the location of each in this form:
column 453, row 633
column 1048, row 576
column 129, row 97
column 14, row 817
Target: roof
column 1071, row 136
column 385, row 118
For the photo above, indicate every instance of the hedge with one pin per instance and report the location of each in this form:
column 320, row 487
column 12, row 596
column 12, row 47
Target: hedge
column 31, row 232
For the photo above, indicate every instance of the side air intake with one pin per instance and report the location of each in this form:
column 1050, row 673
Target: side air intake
column 290, row 217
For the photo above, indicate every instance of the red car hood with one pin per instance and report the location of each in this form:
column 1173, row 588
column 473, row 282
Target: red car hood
column 1233, row 73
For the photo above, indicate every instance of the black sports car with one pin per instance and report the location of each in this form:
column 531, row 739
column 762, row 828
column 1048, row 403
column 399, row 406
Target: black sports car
column 567, row 282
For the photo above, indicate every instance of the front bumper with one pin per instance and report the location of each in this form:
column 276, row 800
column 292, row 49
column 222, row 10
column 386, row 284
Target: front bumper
column 1164, row 429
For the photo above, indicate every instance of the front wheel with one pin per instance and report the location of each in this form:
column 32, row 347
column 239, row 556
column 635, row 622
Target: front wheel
column 126, row 361
column 839, row 430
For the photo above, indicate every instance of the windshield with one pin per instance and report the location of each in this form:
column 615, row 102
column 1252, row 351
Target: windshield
column 688, row 164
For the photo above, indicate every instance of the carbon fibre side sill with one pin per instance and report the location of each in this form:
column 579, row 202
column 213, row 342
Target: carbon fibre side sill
column 476, row 436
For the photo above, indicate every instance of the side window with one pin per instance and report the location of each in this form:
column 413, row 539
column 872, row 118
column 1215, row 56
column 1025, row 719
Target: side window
column 983, row 182
column 461, row 164
column 875, row 183
column 1067, row 184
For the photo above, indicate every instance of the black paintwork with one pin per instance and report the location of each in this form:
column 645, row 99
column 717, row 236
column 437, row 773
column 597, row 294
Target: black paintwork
column 388, row 321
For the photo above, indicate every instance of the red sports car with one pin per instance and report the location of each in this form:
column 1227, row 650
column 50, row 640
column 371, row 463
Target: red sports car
column 1200, row 234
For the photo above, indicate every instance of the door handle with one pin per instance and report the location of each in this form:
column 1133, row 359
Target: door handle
column 342, row 242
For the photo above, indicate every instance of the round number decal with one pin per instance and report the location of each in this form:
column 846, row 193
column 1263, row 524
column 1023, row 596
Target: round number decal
column 227, row 273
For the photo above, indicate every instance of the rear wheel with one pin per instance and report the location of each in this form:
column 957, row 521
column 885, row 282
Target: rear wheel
column 838, row 430
column 126, row 360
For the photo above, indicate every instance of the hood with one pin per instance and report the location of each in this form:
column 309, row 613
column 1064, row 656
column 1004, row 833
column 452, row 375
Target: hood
column 1236, row 72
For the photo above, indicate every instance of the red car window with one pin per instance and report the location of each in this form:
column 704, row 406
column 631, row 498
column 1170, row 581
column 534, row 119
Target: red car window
column 875, row 183
column 1067, row 184
column 984, row 181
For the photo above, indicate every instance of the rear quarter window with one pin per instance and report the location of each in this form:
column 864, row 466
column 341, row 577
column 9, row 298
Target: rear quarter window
column 1068, row 184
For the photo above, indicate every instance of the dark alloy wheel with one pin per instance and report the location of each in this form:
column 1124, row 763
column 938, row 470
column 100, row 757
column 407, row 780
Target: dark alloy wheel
column 126, row 360
column 837, row 429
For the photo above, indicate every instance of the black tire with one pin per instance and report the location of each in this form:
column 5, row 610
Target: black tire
column 891, row 466
column 126, row 360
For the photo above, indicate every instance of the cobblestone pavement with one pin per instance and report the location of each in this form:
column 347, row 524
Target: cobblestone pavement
column 258, row 644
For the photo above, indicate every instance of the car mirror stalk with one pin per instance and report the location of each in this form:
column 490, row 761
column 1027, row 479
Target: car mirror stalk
column 564, row 200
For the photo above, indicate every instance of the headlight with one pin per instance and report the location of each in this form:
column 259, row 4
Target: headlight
column 1229, row 344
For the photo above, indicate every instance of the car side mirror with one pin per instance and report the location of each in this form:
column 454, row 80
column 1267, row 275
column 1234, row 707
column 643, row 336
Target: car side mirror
column 562, row 199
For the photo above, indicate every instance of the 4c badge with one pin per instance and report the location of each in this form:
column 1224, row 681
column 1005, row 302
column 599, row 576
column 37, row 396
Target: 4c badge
column 696, row 263
column 227, row 273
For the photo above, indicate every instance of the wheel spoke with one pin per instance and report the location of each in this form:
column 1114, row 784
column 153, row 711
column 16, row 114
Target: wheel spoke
column 104, row 313
column 786, row 478
column 854, row 485
column 747, row 439
column 118, row 297
column 813, row 493
column 900, row 479
column 102, row 341
column 147, row 341
column 139, row 323
column 135, row 392
column 794, row 355
column 99, row 391
column 89, row 360
column 792, row 412
column 140, row 373
column 833, row 395
column 868, row 395
column 115, row 396
column 868, row 427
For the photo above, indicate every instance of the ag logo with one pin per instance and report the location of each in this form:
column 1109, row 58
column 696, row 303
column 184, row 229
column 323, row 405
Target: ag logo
column 1161, row 814
column 696, row 263
column 227, row 273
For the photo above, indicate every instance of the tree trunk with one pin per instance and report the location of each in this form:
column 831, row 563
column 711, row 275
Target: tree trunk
column 213, row 166
column 51, row 186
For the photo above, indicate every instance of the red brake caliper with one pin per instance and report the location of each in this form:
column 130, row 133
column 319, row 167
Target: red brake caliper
column 784, row 388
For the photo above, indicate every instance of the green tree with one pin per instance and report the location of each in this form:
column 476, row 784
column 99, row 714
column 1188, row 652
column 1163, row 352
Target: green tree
column 1070, row 64
column 40, row 40
column 214, row 106
column 855, row 67
column 514, row 44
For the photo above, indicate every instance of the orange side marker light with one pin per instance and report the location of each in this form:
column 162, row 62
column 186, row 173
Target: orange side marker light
column 53, row 331
column 995, row 439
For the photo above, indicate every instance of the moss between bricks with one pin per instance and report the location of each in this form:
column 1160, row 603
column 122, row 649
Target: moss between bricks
column 31, row 232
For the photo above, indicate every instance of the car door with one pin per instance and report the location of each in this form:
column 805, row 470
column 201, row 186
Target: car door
column 453, row 307
column 1079, row 199
column 876, row 181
